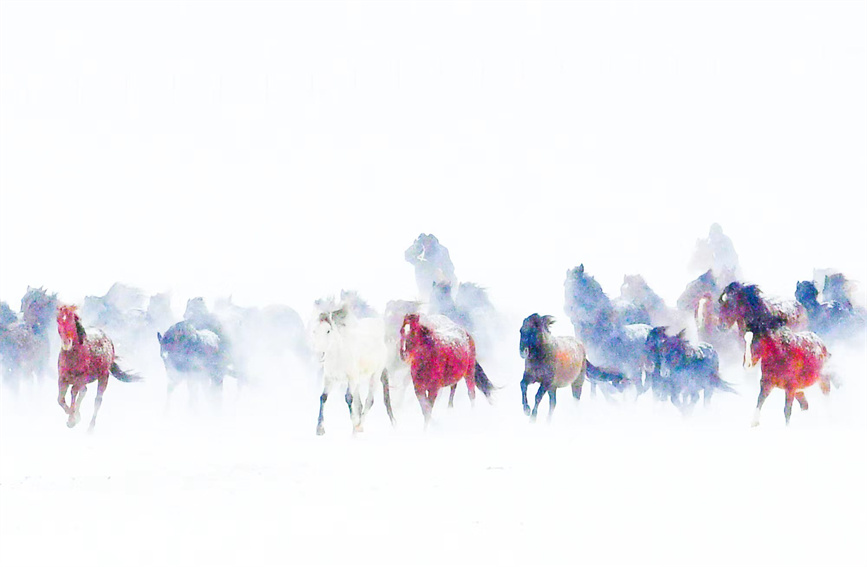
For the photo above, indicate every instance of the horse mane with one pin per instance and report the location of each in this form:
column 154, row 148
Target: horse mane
column 7, row 316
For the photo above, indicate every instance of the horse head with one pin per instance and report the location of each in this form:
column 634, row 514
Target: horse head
column 806, row 293
column 585, row 299
column 69, row 327
column 411, row 334
column 533, row 332
column 38, row 307
column 421, row 249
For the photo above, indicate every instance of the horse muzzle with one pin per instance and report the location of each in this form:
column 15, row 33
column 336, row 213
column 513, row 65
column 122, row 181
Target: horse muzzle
column 66, row 344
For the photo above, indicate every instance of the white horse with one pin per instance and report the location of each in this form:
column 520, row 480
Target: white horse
column 353, row 352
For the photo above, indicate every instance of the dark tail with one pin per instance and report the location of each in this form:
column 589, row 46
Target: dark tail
column 720, row 384
column 124, row 376
column 483, row 382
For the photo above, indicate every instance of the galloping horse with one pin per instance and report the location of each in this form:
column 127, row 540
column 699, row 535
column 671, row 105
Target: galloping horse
column 553, row 362
column 791, row 361
column 681, row 370
column 746, row 306
column 192, row 354
column 613, row 334
column 440, row 353
column 351, row 351
column 84, row 358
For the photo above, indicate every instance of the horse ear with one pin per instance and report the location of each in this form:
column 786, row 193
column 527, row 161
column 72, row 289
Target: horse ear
column 80, row 329
column 682, row 334
column 548, row 320
column 159, row 337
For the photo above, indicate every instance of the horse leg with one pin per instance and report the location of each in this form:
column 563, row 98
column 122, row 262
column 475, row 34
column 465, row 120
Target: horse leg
column 802, row 401
column 61, row 396
column 552, row 402
column 100, row 389
column 525, row 381
column 386, row 394
column 78, row 393
column 787, row 410
column 577, row 385
column 426, row 403
column 540, row 393
column 320, row 428
column 766, row 388
column 452, row 391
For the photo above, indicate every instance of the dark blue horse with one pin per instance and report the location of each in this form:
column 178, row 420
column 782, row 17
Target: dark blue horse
column 197, row 350
column 829, row 319
column 26, row 343
column 194, row 356
column 681, row 371
column 613, row 338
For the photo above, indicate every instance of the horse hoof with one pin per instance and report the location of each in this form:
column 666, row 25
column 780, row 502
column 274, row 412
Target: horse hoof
column 754, row 424
column 320, row 430
column 527, row 412
column 357, row 429
column 70, row 424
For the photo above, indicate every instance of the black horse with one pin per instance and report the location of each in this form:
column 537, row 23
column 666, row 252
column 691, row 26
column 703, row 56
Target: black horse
column 612, row 337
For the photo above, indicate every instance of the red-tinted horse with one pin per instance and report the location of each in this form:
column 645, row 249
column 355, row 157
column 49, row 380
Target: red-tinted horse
column 440, row 353
column 84, row 358
column 791, row 361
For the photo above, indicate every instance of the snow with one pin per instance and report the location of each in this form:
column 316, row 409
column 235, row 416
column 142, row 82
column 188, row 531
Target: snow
column 602, row 484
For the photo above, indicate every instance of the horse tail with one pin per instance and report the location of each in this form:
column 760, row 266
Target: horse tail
column 720, row 384
column 124, row 376
column 483, row 382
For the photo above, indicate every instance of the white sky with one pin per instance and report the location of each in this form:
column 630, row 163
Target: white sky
column 281, row 151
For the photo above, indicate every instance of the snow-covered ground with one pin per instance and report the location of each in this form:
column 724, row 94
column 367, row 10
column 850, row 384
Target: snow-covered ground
column 602, row 484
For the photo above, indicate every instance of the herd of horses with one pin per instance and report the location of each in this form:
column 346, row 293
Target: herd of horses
column 620, row 346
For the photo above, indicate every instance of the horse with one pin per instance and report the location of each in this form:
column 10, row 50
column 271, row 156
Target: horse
column 716, row 252
column 746, row 306
column 790, row 360
column 84, row 357
column 352, row 351
column 553, row 362
column 635, row 291
column 432, row 263
column 25, row 343
column 399, row 376
column 612, row 339
column 681, row 370
column 829, row 319
column 440, row 353
column 470, row 308
column 192, row 354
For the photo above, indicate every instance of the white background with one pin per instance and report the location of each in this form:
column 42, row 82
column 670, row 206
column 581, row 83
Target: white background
column 283, row 151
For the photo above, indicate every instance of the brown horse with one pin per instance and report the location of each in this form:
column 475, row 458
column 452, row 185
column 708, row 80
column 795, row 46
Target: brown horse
column 440, row 353
column 553, row 362
column 791, row 361
column 84, row 358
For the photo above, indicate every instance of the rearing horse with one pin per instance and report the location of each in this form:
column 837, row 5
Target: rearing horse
column 84, row 358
